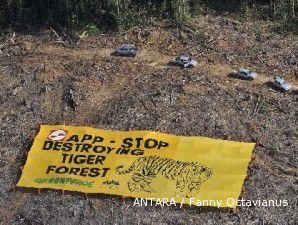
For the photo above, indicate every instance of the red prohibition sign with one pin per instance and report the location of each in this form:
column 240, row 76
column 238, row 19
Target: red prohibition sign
column 57, row 135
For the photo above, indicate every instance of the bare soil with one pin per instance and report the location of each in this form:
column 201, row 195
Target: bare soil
column 51, row 79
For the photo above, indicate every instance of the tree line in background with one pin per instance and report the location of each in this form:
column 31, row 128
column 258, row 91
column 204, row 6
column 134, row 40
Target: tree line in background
column 122, row 14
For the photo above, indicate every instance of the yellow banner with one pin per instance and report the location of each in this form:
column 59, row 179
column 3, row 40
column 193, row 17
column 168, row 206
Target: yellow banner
column 142, row 164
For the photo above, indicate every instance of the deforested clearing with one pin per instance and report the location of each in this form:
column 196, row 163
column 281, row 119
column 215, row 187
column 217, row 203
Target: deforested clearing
column 58, row 80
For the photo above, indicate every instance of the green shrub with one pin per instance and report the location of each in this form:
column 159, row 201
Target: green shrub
column 91, row 29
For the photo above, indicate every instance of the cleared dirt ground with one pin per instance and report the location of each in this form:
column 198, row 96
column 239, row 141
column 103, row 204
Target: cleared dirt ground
column 50, row 79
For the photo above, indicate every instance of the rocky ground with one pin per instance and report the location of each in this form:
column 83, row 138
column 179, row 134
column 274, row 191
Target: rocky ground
column 51, row 78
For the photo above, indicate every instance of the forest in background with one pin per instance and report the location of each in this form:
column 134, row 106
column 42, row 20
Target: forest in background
column 117, row 15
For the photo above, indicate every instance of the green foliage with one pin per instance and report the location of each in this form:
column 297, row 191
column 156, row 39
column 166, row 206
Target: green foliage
column 246, row 11
column 128, row 18
column 285, row 9
column 287, row 26
column 91, row 29
column 123, row 14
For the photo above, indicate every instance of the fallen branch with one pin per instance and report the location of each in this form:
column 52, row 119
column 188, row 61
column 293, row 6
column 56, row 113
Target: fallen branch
column 257, row 105
column 13, row 38
column 83, row 35
column 61, row 42
column 56, row 34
